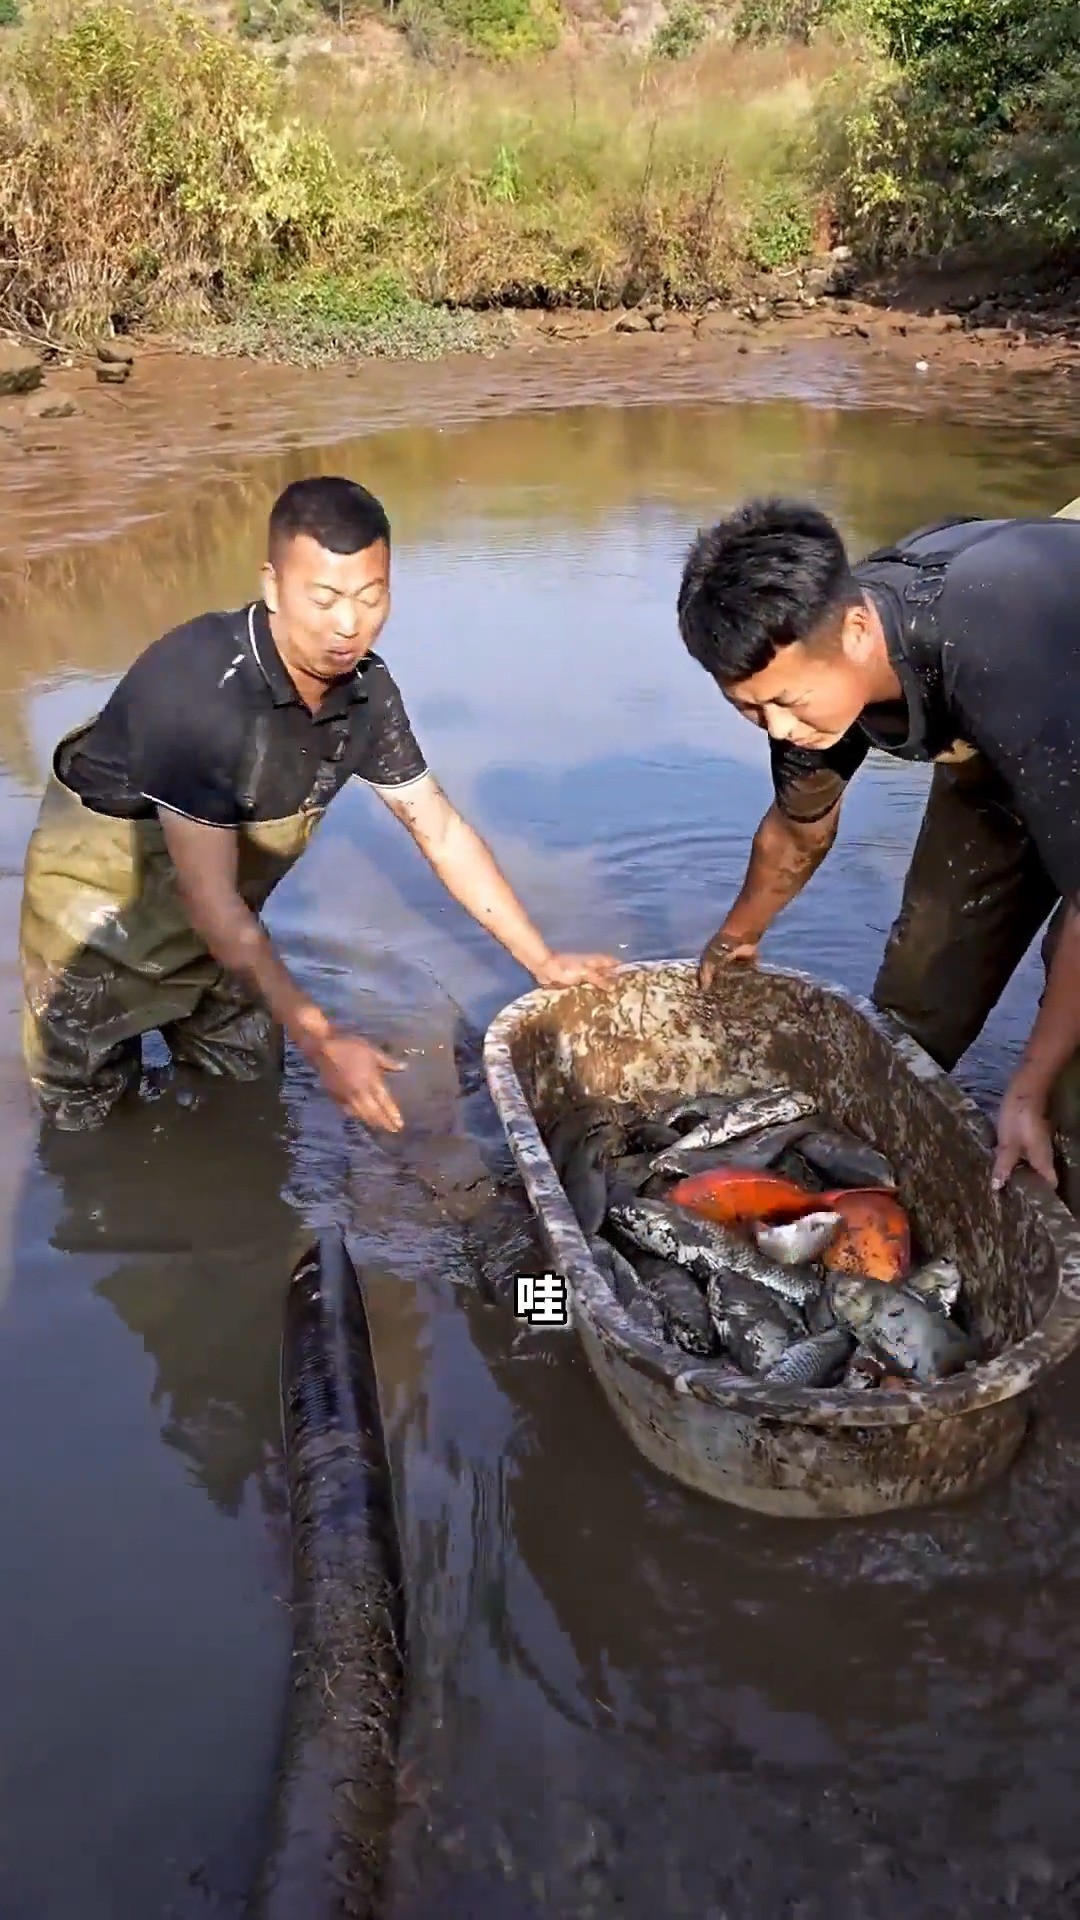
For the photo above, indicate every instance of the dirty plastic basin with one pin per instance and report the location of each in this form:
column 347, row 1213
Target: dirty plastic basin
column 786, row 1450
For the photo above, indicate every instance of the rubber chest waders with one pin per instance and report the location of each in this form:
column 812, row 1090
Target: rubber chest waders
column 107, row 953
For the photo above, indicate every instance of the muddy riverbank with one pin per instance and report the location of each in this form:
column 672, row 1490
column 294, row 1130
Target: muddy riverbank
column 82, row 458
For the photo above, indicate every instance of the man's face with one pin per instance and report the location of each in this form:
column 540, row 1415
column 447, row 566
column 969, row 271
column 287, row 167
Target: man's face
column 330, row 607
column 811, row 692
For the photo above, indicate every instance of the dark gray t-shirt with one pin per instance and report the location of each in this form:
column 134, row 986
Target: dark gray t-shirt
column 992, row 660
column 207, row 723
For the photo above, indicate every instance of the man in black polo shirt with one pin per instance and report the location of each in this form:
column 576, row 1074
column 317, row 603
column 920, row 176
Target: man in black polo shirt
column 168, row 820
column 961, row 646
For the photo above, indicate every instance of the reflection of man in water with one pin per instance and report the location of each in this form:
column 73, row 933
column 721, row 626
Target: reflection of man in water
column 169, row 819
column 962, row 646
column 197, row 1265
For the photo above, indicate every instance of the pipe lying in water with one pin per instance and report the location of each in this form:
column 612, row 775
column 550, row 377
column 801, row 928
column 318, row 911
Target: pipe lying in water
column 334, row 1801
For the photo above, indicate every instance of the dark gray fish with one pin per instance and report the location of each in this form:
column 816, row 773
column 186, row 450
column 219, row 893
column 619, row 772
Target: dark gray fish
column 793, row 1167
column 585, row 1183
column 798, row 1284
column 568, row 1133
column 626, row 1176
column 681, row 1301
column 657, row 1227
column 756, row 1111
column 912, row 1338
column 650, row 1136
column 864, row 1371
column 844, row 1160
column 754, row 1152
column 819, row 1314
column 938, row 1283
column 793, row 1241
column 632, row 1297
column 673, row 1233
column 817, row 1362
column 752, row 1328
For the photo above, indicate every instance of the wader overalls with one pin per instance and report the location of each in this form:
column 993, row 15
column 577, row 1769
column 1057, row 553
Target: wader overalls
column 107, row 953
column 976, row 892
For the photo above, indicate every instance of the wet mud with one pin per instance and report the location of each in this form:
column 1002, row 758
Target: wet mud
column 624, row 1698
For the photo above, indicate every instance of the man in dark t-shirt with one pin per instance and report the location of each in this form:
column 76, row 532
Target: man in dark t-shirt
column 960, row 646
column 168, row 820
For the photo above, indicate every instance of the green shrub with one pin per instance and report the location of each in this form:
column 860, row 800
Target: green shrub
column 681, row 33
column 503, row 29
column 972, row 132
column 146, row 162
column 781, row 230
column 315, row 317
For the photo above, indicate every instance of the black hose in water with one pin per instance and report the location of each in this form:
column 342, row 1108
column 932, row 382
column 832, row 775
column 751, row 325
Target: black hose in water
column 334, row 1799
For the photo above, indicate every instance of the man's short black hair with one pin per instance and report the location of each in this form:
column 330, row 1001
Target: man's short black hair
column 773, row 572
column 340, row 514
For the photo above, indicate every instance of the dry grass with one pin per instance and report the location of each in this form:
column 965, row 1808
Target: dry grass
column 567, row 181
column 154, row 172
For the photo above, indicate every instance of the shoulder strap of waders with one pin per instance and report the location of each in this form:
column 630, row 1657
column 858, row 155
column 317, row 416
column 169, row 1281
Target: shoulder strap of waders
column 931, row 567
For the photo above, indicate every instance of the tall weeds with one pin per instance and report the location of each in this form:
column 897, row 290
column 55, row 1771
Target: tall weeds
column 154, row 172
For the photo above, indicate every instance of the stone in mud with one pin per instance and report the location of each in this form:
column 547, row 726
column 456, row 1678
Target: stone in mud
column 114, row 354
column 20, row 369
column 829, row 283
column 48, row 406
column 112, row 375
column 714, row 320
column 632, row 323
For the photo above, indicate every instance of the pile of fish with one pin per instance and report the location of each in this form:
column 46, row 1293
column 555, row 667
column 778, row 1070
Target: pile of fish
column 749, row 1233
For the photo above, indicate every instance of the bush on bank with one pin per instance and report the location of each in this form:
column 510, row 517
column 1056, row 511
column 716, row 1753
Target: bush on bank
column 157, row 173
column 968, row 131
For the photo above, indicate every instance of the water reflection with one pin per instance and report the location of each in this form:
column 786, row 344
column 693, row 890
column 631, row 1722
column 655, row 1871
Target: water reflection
column 627, row 1700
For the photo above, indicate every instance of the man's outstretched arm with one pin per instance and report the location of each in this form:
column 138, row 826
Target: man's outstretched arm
column 468, row 870
column 206, row 862
column 1024, row 1127
column 784, row 855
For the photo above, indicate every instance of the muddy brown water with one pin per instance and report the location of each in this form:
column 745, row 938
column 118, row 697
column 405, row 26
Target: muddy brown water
column 624, row 1700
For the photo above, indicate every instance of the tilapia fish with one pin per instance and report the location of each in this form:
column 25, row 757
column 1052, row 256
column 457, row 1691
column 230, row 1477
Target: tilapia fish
column 938, row 1283
column 585, row 1180
column 792, row 1166
column 569, row 1132
column 797, row 1240
column 650, row 1136
column 752, row 1328
column 844, row 1159
column 745, row 1116
column 708, row 1250
column 627, row 1175
column 681, row 1302
column 912, row 1338
column 817, row 1362
column 632, row 1297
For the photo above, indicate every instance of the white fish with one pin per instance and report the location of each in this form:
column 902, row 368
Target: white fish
column 795, row 1241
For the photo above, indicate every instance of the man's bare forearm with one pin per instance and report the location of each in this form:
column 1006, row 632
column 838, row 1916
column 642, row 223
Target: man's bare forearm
column 236, row 939
column 1055, row 1037
column 783, row 857
column 468, row 870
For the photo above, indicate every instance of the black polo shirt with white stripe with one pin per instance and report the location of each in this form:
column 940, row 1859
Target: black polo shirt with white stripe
column 207, row 723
